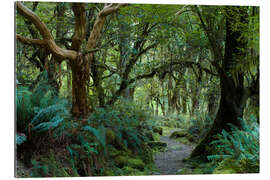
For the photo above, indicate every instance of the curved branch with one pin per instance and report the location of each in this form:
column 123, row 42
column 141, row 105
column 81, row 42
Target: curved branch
column 29, row 41
column 44, row 31
column 100, row 21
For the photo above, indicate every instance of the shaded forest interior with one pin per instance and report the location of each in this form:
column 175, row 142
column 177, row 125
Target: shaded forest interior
column 101, row 87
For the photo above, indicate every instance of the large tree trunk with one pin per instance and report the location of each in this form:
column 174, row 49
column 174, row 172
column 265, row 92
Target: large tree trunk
column 227, row 114
column 233, row 94
column 80, row 79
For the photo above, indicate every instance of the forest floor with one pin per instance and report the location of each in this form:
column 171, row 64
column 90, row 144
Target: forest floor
column 171, row 161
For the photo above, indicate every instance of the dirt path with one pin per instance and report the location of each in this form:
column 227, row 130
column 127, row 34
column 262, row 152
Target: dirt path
column 170, row 162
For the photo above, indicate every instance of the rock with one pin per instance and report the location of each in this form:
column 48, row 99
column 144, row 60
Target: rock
column 178, row 134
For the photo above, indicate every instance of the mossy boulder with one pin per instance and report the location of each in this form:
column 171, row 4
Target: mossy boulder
column 178, row 134
column 158, row 130
column 156, row 137
column 122, row 161
column 156, row 144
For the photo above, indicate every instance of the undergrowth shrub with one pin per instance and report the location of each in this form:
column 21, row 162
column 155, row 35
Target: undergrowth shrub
column 240, row 148
column 40, row 109
column 171, row 120
column 108, row 133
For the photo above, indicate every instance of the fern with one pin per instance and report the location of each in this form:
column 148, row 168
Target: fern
column 240, row 145
column 24, row 108
column 20, row 138
column 99, row 133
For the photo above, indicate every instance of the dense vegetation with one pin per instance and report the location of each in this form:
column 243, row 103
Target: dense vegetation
column 97, row 85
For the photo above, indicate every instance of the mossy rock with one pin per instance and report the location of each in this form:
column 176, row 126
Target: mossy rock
column 122, row 161
column 156, row 144
column 156, row 137
column 190, row 138
column 178, row 134
column 136, row 163
column 158, row 130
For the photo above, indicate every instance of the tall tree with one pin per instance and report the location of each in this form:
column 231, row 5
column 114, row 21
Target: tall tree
column 234, row 93
column 79, row 58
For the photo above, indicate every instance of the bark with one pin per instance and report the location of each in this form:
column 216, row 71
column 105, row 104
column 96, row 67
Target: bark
column 233, row 94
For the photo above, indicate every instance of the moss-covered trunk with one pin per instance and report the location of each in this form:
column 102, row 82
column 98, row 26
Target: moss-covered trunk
column 233, row 93
column 80, row 79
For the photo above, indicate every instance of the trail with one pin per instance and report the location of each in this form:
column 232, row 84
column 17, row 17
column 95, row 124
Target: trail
column 170, row 162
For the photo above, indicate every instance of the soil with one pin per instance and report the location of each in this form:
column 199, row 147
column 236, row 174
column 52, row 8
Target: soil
column 170, row 162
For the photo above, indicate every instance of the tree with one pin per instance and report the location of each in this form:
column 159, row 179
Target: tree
column 234, row 92
column 79, row 58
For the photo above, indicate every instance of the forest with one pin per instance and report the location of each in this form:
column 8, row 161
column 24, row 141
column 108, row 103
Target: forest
column 108, row 89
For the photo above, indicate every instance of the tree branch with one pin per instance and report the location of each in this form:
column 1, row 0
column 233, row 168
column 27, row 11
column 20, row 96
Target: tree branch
column 29, row 41
column 215, row 48
column 99, row 23
column 47, row 36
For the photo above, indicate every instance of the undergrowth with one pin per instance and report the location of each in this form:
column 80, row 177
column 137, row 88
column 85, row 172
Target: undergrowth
column 53, row 144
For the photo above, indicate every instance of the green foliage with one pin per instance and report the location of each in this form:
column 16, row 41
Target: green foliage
column 49, row 166
column 24, row 108
column 241, row 146
column 171, row 121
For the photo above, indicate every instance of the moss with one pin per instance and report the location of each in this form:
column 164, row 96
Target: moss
column 178, row 134
column 191, row 138
column 147, row 155
column 227, row 166
column 122, row 161
column 183, row 140
column 136, row 163
column 185, row 171
column 156, row 137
